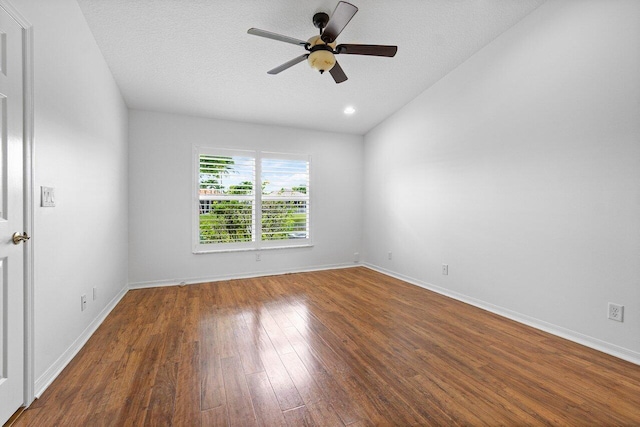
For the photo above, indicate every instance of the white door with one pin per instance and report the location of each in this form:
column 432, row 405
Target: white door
column 11, row 218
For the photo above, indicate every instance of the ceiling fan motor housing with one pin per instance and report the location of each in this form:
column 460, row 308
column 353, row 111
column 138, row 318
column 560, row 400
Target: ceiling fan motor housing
column 320, row 20
column 321, row 56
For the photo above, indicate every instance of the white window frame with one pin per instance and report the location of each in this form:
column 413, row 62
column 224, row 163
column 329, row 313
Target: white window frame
column 257, row 243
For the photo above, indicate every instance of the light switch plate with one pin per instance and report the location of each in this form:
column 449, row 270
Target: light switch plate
column 48, row 197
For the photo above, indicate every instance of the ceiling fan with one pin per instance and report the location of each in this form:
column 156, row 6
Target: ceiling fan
column 321, row 49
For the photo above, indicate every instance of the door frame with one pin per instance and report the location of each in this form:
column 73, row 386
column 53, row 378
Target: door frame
column 28, row 179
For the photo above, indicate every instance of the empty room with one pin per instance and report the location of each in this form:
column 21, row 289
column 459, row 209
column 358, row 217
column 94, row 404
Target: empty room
column 320, row 213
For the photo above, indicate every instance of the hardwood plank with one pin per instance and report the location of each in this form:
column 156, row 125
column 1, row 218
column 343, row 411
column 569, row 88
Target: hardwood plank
column 362, row 379
column 25, row 418
column 163, row 396
column 286, row 392
column 123, row 374
column 307, row 387
column 225, row 339
column 360, row 423
column 324, row 415
column 91, row 397
column 192, row 313
column 299, row 417
column 136, row 397
column 239, row 404
column 264, row 400
column 214, row 417
column 211, row 381
column 347, row 406
column 247, row 346
column 187, row 402
column 277, row 337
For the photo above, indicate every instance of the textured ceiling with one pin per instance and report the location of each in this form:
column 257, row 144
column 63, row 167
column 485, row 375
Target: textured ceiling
column 195, row 57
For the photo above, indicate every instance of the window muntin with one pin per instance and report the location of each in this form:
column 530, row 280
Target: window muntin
column 231, row 214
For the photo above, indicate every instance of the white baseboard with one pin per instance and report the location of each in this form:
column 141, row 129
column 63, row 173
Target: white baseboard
column 54, row 370
column 577, row 337
column 194, row 280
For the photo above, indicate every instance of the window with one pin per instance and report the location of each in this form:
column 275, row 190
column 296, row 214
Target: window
column 233, row 213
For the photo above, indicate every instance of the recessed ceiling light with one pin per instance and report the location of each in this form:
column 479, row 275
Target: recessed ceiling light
column 349, row 110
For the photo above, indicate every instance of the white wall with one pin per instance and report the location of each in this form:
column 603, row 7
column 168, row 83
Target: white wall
column 521, row 171
column 161, row 201
column 81, row 150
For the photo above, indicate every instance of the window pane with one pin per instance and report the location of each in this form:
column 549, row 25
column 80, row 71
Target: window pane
column 226, row 175
column 226, row 221
column 226, row 199
column 284, row 219
column 285, row 199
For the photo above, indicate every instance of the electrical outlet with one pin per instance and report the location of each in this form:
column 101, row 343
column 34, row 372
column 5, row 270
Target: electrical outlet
column 616, row 312
column 95, row 294
column 389, row 255
column 257, row 256
column 83, row 302
column 356, row 257
column 445, row 269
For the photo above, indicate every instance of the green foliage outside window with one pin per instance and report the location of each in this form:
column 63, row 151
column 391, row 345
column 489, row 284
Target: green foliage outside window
column 226, row 222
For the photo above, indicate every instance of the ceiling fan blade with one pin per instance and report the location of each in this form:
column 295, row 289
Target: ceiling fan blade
column 339, row 19
column 288, row 64
column 337, row 73
column 274, row 36
column 367, row 49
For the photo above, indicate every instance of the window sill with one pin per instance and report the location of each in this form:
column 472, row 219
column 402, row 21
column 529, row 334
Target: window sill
column 268, row 248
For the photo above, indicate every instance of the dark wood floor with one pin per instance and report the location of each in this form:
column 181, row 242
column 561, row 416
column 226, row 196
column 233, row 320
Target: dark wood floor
column 343, row 347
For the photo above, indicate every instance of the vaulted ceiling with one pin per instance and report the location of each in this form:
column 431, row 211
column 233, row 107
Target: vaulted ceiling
column 195, row 57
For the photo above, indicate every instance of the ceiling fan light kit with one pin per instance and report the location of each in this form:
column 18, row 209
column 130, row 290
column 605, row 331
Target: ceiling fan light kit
column 322, row 48
column 321, row 57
